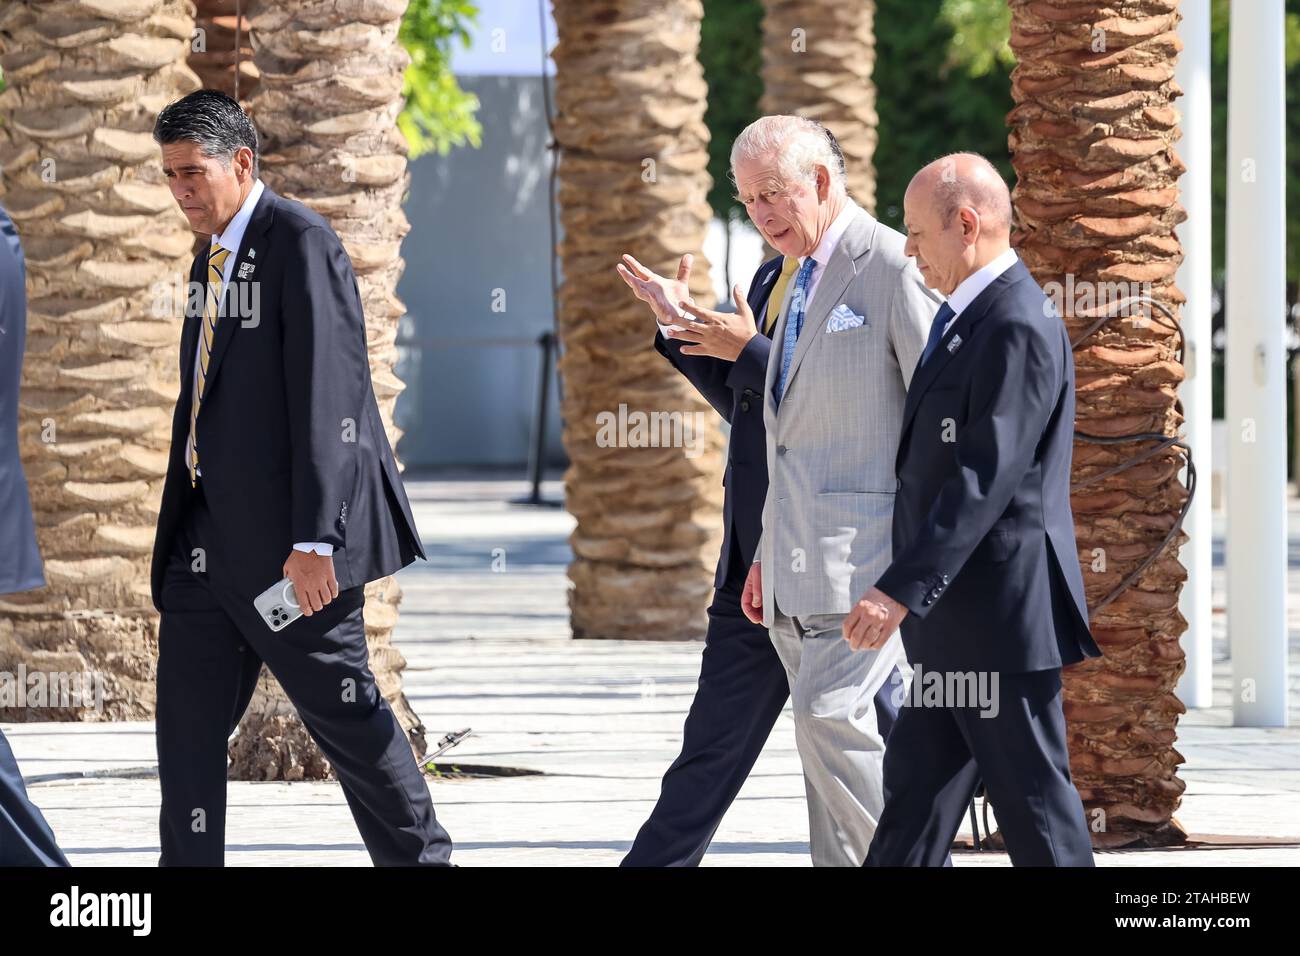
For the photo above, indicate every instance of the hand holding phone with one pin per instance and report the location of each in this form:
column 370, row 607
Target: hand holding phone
column 278, row 605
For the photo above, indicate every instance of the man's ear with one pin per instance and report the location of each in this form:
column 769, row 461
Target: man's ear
column 970, row 224
column 244, row 163
column 823, row 179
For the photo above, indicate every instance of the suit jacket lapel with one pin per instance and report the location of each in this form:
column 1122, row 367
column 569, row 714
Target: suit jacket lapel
column 762, row 289
column 928, row 372
column 193, row 317
column 854, row 244
column 235, row 290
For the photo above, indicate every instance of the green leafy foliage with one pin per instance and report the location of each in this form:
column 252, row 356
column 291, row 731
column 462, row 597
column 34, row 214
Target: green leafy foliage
column 981, row 31
column 438, row 114
column 731, row 47
column 943, row 84
column 1219, row 32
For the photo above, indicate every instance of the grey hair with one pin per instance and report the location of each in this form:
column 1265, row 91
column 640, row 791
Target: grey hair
column 800, row 145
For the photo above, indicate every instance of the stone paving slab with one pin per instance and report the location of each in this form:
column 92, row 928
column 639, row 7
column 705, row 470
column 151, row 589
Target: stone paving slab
column 490, row 649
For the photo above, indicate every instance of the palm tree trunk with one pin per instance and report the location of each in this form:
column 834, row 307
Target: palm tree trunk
column 222, row 56
column 214, row 57
column 1097, row 202
column 630, row 96
column 107, row 252
column 331, row 80
column 817, row 61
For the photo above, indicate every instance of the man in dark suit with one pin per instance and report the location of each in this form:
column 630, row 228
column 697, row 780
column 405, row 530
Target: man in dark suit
column 25, row 837
column 279, row 468
column 985, row 576
column 743, row 685
column 20, row 559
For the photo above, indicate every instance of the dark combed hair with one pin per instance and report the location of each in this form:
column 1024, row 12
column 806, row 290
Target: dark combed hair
column 211, row 119
column 835, row 148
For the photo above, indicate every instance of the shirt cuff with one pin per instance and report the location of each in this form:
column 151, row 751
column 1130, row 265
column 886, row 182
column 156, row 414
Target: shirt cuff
column 320, row 547
column 663, row 329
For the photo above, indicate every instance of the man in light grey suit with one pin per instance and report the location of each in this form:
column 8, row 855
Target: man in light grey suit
column 852, row 327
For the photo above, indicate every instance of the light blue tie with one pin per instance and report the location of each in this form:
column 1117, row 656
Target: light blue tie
column 794, row 324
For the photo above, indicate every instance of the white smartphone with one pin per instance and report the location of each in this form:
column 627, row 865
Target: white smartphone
column 278, row 605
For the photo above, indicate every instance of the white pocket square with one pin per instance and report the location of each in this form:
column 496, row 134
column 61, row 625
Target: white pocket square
column 843, row 318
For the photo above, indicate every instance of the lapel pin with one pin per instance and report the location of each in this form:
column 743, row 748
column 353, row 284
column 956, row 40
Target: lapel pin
column 252, row 253
column 954, row 344
column 246, row 269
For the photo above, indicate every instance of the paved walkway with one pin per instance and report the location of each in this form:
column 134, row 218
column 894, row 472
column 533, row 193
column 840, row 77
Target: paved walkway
column 601, row 721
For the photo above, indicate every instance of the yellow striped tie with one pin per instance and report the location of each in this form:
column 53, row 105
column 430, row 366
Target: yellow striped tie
column 788, row 268
column 216, row 279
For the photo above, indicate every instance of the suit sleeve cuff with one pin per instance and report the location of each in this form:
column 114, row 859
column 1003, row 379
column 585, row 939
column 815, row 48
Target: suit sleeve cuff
column 750, row 368
column 918, row 595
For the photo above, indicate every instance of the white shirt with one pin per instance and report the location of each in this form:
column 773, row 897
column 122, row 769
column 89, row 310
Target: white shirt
column 826, row 248
column 821, row 255
column 977, row 282
column 231, row 239
column 235, row 229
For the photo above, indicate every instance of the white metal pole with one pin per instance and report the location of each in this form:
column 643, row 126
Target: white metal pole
column 1195, row 687
column 1256, row 373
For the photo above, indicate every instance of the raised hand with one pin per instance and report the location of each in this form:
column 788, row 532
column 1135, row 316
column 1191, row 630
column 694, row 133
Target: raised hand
column 722, row 335
column 661, row 294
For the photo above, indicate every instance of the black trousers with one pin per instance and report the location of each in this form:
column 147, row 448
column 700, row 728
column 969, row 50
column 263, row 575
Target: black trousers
column 211, row 648
column 743, row 688
column 25, row 837
column 937, row 755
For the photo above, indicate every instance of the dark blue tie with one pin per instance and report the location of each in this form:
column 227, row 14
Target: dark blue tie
column 936, row 331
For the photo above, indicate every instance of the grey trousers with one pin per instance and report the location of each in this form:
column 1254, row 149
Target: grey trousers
column 833, row 690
